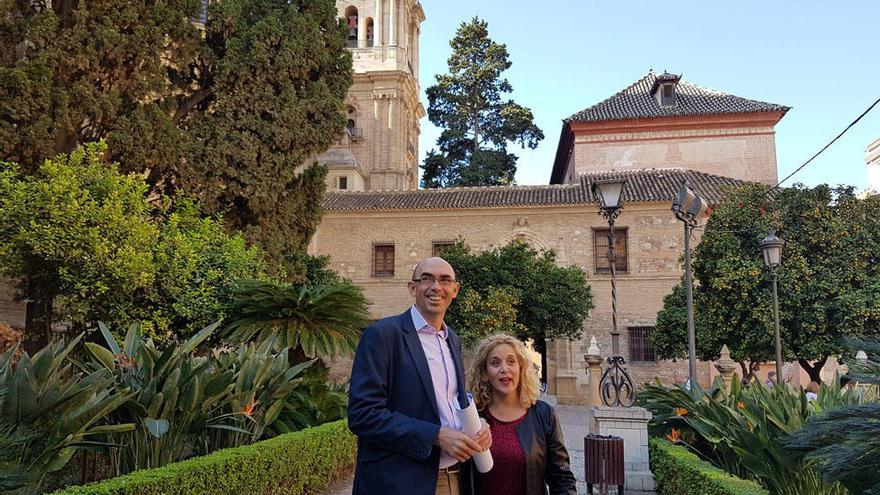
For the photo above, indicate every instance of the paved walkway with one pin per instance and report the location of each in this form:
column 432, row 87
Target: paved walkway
column 574, row 428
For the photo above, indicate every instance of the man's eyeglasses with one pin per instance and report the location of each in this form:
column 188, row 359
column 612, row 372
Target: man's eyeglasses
column 428, row 280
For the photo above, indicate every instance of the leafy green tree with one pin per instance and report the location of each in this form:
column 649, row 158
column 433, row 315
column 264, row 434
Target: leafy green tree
column 829, row 281
column 477, row 316
column 85, row 245
column 197, row 268
column 553, row 301
column 78, row 229
column 468, row 103
column 228, row 114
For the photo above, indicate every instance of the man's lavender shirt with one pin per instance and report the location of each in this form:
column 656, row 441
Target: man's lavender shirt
column 443, row 375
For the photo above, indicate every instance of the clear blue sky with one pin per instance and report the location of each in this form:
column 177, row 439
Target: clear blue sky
column 821, row 58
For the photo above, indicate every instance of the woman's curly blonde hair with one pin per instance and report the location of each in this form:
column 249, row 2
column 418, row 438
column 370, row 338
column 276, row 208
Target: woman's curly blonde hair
column 528, row 388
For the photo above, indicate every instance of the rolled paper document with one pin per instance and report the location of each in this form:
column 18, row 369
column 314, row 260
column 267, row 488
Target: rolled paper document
column 470, row 424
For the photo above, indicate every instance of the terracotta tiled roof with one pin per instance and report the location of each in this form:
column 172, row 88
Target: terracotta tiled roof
column 638, row 101
column 644, row 185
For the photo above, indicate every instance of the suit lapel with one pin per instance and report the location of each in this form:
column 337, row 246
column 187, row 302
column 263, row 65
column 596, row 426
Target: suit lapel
column 414, row 344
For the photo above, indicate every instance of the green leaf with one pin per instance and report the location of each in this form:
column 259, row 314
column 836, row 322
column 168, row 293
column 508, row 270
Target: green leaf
column 111, row 341
column 157, row 427
column 105, row 357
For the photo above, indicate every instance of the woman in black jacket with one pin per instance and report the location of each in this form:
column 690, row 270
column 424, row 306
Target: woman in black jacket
column 527, row 448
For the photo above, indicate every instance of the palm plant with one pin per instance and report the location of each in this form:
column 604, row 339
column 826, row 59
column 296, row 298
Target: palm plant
column 318, row 320
column 741, row 430
column 48, row 412
column 845, row 442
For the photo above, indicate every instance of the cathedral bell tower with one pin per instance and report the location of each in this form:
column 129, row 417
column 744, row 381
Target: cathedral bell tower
column 379, row 150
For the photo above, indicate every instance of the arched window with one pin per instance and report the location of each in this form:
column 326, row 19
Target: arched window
column 351, row 125
column 351, row 20
column 370, row 31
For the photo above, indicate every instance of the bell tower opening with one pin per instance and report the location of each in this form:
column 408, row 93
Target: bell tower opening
column 351, row 18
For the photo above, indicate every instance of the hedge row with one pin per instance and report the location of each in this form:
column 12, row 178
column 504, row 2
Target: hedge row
column 302, row 462
column 679, row 471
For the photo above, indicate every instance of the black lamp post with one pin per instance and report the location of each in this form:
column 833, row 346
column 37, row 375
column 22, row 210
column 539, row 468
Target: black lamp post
column 689, row 207
column 616, row 386
column 772, row 248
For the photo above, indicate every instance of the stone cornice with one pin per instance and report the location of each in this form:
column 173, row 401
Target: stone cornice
column 693, row 122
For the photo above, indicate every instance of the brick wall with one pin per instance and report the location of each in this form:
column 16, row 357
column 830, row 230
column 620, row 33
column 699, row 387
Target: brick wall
column 745, row 153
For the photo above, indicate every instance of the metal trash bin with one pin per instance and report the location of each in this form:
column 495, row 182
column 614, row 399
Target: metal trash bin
column 603, row 462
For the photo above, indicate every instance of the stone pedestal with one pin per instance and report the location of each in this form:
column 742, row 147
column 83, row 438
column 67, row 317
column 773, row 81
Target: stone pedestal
column 631, row 424
column 594, row 376
column 725, row 366
column 566, row 387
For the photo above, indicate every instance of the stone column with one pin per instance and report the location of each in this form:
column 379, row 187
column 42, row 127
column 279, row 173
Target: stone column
column 631, row 424
column 362, row 31
column 378, row 24
column 392, row 22
column 593, row 357
column 726, row 366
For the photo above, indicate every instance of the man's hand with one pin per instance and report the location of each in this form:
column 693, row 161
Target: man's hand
column 457, row 444
column 484, row 436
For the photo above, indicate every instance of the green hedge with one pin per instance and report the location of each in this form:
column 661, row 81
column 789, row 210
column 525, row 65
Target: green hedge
column 295, row 463
column 679, row 472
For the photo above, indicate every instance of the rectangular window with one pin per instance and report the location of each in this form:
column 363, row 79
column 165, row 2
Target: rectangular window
column 641, row 349
column 343, row 183
column 668, row 96
column 600, row 251
column 383, row 260
column 437, row 247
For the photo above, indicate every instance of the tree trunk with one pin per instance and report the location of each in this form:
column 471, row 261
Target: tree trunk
column 296, row 355
column 38, row 317
column 815, row 370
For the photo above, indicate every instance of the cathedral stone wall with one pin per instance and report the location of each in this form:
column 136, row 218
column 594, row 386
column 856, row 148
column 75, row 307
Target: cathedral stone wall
column 654, row 244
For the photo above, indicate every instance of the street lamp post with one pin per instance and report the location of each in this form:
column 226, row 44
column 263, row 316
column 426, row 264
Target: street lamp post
column 616, row 386
column 689, row 207
column 772, row 249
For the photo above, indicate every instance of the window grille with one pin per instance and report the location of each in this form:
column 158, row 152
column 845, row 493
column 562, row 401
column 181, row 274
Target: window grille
column 600, row 252
column 641, row 349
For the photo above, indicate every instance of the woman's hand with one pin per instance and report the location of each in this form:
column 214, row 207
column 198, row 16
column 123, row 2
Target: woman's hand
column 484, row 436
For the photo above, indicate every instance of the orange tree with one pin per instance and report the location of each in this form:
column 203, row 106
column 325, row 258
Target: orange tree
column 829, row 281
column 548, row 301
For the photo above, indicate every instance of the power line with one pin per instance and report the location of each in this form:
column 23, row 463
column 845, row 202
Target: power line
column 826, row 146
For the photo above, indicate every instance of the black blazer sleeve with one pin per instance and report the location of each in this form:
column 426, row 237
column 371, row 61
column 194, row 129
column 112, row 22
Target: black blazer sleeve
column 371, row 414
column 560, row 480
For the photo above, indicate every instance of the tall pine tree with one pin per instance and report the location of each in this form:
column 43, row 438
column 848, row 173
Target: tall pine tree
column 478, row 123
column 227, row 110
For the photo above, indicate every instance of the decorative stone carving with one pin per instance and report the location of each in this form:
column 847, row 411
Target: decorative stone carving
column 725, row 365
column 593, row 357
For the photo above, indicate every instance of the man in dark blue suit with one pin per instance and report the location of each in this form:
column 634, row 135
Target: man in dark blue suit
column 407, row 385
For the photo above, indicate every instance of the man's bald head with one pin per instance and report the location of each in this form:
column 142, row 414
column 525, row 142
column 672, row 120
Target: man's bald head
column 428, row 265
column 433, row 286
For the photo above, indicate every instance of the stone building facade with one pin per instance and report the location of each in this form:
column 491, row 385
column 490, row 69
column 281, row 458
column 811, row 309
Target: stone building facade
column 408, row 226
column 657, row 133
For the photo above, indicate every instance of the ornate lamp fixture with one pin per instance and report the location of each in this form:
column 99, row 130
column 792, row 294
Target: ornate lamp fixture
column 689, row 207
column 772, row 249
column 616, row 386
